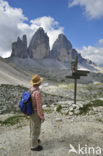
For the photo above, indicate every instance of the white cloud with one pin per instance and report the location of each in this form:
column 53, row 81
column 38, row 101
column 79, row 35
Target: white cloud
column 93, row 8
column 50, row 26
column 13, row 24
column 9, row 20
column 93, row 53
column 101, row 41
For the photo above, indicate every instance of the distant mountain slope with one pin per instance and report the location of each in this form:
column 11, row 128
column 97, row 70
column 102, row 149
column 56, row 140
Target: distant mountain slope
column 11, row 74
column 15, row 74
column 37, row 58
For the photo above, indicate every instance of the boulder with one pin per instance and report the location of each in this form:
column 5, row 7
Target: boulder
column 70, row 113
column 71, row 109
column 58, row 119
column 76, row 112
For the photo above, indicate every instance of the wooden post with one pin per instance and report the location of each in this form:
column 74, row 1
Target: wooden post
column 76, row 75
column 75, row 80
column 75, row 90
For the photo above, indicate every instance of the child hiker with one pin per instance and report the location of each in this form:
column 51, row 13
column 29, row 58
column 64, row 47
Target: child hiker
column 37, row 117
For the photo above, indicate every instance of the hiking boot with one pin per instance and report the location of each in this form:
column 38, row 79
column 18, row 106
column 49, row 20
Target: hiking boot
column 38, row 148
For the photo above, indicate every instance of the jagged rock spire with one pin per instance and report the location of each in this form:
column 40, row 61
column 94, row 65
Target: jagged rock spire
column 19, row 48
column 39, row 45
column 62, row 48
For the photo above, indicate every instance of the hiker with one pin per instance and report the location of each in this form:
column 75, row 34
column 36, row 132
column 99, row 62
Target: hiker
column 37, row 117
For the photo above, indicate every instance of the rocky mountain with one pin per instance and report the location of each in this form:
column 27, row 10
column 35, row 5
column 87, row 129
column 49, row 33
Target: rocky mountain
column 39, row 45
column 39, row 55
column 12, row 74
column 80, row 58
column 19, row 48
column 100, row 65
column 62, row 49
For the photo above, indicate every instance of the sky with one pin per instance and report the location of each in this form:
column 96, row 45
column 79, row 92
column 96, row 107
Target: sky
column 80, row 20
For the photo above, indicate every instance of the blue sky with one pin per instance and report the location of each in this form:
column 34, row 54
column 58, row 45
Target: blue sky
column 80, row 20
column 78, row 28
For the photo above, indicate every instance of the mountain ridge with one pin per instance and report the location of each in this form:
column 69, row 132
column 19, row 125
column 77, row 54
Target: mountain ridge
column 39, row 48
column 39, row 54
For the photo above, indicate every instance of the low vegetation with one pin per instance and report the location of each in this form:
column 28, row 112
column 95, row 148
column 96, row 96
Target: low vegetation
column 100, row 120
column 48, row 111
column 12, row 120
column 92, row 92
column 59, row 108
column 87, row 107
column 10, row 96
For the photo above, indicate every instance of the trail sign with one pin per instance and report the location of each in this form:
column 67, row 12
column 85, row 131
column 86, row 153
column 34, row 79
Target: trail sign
column 76, row 75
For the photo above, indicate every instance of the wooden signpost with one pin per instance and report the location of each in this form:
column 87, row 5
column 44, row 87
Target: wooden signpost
column 76, row 75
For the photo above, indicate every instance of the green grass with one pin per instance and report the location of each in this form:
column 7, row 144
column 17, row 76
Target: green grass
column 10, row 111
column 59, row 108
column 89, row 88
column 84, row 109
column 98, row 84
column 67, row 113
column 66, row 86
column 100, row 120
column 48, row 111
column 9, row 86
column 12, row 120
column 96, row 103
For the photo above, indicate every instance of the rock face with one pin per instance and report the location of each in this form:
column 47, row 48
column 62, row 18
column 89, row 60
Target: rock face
column 39, row 45
column 80, row 58
column 39, row 49
column 62, row 49
column 19, row 48
column 90, row 62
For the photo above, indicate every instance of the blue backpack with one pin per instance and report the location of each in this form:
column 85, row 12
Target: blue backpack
column 25, row 104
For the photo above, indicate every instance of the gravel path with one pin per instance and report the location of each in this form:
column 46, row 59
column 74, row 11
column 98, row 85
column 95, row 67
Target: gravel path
column 56, row 136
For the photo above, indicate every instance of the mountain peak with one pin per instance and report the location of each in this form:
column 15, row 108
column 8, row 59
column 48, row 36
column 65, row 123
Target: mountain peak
column 62, row 48
column 40, row 29
column 62, row 36
column 39, row 45
column 39, row 33
column 19, row 48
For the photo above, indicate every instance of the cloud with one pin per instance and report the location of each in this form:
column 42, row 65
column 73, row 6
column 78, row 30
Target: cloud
column 93, row 53
column 5, row 54
column 50, row 26
column 93, row 8
column 100, row 42
column 9, row 20
column 13, row 24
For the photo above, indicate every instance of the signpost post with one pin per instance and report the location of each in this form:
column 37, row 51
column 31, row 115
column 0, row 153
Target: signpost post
column 76, row 75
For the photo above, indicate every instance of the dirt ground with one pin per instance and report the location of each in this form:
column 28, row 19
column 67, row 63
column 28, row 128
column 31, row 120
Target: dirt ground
column 56, row 136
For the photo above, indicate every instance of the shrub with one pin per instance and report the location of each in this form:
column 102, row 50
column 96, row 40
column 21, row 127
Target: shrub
column 59, row 108
column 86, row 108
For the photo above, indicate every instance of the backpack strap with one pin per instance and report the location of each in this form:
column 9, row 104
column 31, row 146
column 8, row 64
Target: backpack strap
column 33, row 91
